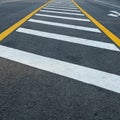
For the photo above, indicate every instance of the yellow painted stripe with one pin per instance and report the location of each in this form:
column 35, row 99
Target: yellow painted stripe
column 12, row 28
column 112, row 36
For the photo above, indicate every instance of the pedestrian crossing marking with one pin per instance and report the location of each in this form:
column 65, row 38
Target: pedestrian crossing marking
column 61, row 17
column 66, row 38
column 68, row 13
column 65, row 25
column 61, row 9
column 83, row 74
column 73, row 8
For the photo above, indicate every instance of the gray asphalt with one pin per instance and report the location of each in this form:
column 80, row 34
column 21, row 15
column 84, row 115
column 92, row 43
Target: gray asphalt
column 11, row 12
column 99, row 11
column 27, row 93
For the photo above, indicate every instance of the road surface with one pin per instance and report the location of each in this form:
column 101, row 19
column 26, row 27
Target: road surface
column 59, row 60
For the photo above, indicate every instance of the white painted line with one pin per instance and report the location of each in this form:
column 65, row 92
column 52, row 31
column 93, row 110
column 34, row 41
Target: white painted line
column 58, row 2
column 62, row 9
column 115, row 12
column 83, row 74
column 61, row 17
column 106, row 3
column 113, row 15
column 60, row 5
column 69, row 13
column 8, row 1
column 66, row 25
column 67, row 6
column 71, row 39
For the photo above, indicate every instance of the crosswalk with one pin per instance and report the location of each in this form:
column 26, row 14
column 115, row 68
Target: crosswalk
column 62, row 30
column 60, row 17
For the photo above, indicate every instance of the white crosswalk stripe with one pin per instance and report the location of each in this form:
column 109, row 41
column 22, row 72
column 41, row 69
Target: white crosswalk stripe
column 61, row 17
column 87, row 75
column 82, row 41
column 67, row 5
column 66, row 25
column 61, row 9
column 93, row 76
column 68, row 13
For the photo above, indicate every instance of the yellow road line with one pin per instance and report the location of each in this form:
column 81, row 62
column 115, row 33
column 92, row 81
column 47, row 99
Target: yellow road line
column 112, row 36
column 12, row 28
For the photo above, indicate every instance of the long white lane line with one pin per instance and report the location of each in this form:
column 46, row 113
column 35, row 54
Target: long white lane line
column 61, row 9
column 68, row 13
column 84, row 74
column 66, row 25
column 61, row 17
column 71, row 39
column 67, row 8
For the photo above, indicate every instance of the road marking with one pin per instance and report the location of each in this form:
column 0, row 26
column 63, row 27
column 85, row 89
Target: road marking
column 112, row 36
column 54, row 5
column 69, row 13
column 108, row 4
column 62, row 4
column 8, row 31
column 114, row 14
column 61, row 9
column 87, row 75
column 71, row 39
column 61, row 17
column 66, row 25
column 8, row 1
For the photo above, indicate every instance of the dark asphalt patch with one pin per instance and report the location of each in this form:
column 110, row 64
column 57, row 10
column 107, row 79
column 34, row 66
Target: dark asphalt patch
column 27, row 93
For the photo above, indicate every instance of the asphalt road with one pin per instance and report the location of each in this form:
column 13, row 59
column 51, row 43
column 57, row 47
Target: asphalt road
column 100, row 10
column 12, row 11
column 59, row 65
